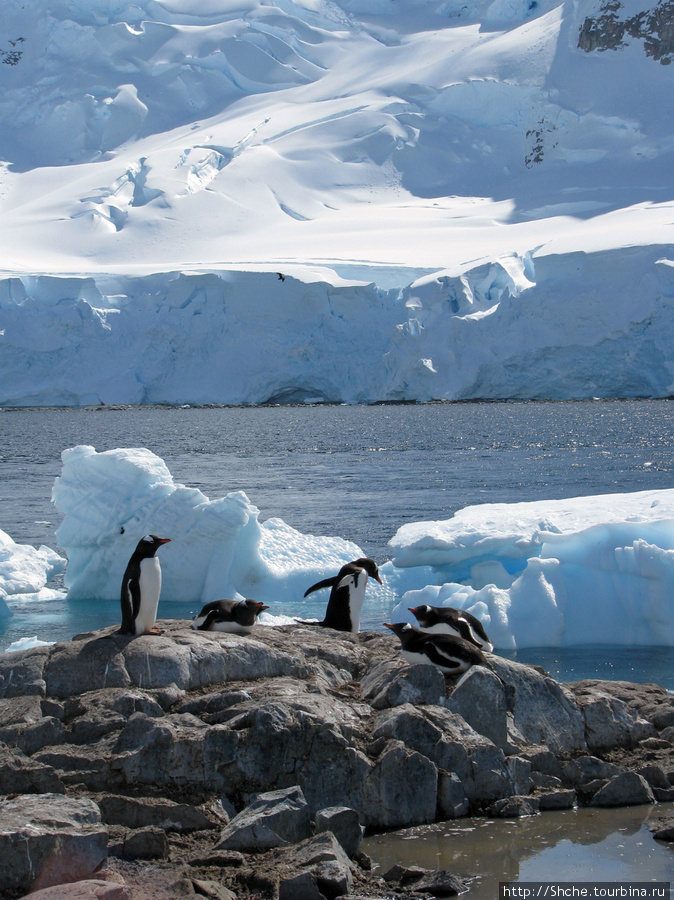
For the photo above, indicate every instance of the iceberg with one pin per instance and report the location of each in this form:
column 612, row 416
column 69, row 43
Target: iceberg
column 553, row 573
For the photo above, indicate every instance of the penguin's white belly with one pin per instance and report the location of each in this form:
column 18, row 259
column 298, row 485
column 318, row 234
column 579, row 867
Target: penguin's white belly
column 442, row 628
column 446, row 628
column 356, row 587
column 150, row 588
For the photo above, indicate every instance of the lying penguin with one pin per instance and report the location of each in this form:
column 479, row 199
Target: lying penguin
column 141, row 586
column 233, row 616
column 452, row 655
column 447, row 620
column 346, row 595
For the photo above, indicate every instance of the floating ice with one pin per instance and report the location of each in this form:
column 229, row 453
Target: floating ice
column 559, row 573
column 25, row 572
column 218, row 547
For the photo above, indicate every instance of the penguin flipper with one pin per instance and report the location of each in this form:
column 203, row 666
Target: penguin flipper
column 327, row 582
column 211, row 617
column 130, row 604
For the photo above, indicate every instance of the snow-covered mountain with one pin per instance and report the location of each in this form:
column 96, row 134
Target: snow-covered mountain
column 239, row 201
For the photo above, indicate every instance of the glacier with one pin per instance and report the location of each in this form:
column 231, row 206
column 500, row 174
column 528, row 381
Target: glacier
column 351, row 201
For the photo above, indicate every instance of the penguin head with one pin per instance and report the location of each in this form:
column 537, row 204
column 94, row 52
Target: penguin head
column 370, row 567
column 402, row 629
column 252, row 607
column 422, row 613
column 148, row 545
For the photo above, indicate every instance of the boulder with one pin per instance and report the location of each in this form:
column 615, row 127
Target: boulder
column 480, row 699
column 272, row 820
column 146, row 843
column 140, row 812
column 344, row 823
column 389, row 684
column 452, row 800
column 49, row 839
column 21, row 775
column 626, row 789
column 609, row 721
column 91, row 889
column 543, row 711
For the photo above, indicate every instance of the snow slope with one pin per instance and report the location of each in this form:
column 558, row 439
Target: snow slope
column 464, row 200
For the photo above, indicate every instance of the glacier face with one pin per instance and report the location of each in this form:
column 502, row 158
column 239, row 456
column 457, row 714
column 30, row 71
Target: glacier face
column 577, row 325
column 354, row 201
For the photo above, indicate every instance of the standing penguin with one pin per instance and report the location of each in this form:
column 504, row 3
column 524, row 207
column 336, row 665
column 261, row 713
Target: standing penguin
column 346, row 595
column 141, row 586
column 447, row 620
column 233, row 616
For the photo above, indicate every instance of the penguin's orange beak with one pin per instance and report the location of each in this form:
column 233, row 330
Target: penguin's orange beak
column 413, row 609
column 261, row 607
column 164, row 540
column 386, row 625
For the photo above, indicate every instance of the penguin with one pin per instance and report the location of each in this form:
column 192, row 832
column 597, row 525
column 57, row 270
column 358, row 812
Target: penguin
column 233, row 616
column 346, row 595
column 451, row 654
column 141, row 586
column 447, row 620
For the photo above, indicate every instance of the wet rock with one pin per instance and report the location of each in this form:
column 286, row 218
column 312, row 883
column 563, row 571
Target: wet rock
column 626, row 789
column 663, row 829
column 452, row 800
column 49, row 839
column 561, row 799
column 586, row 769
column 344, row 824
column 514, row 807
column 441, row 883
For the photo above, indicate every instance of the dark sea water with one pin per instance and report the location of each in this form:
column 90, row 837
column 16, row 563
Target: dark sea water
column 354, row 472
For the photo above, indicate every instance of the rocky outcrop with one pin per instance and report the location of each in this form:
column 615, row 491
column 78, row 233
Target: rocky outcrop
column 205, row 748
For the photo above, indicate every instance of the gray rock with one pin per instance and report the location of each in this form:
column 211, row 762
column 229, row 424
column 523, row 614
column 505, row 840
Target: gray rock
column 514, row 807
column 391, row 685
column 21, row 775
column 543, row 712
column 452, row 800
column 440, row 884
column 91, row 889
column 449, row 742
column 49, row 839
column 344, row 823
column 300, row 887
column 480, row 699
column 325, row 860
column 135, row 812
column 392, row 800
column 22, row 674
column 626, row 789
column 272, row 820
column 655, row 776
column 585, row 769
column 146, row 843
column 562, row 799
column 609, row 721
column 519, row 770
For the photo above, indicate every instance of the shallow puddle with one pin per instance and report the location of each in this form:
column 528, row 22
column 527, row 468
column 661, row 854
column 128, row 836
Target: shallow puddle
column 577, row 845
